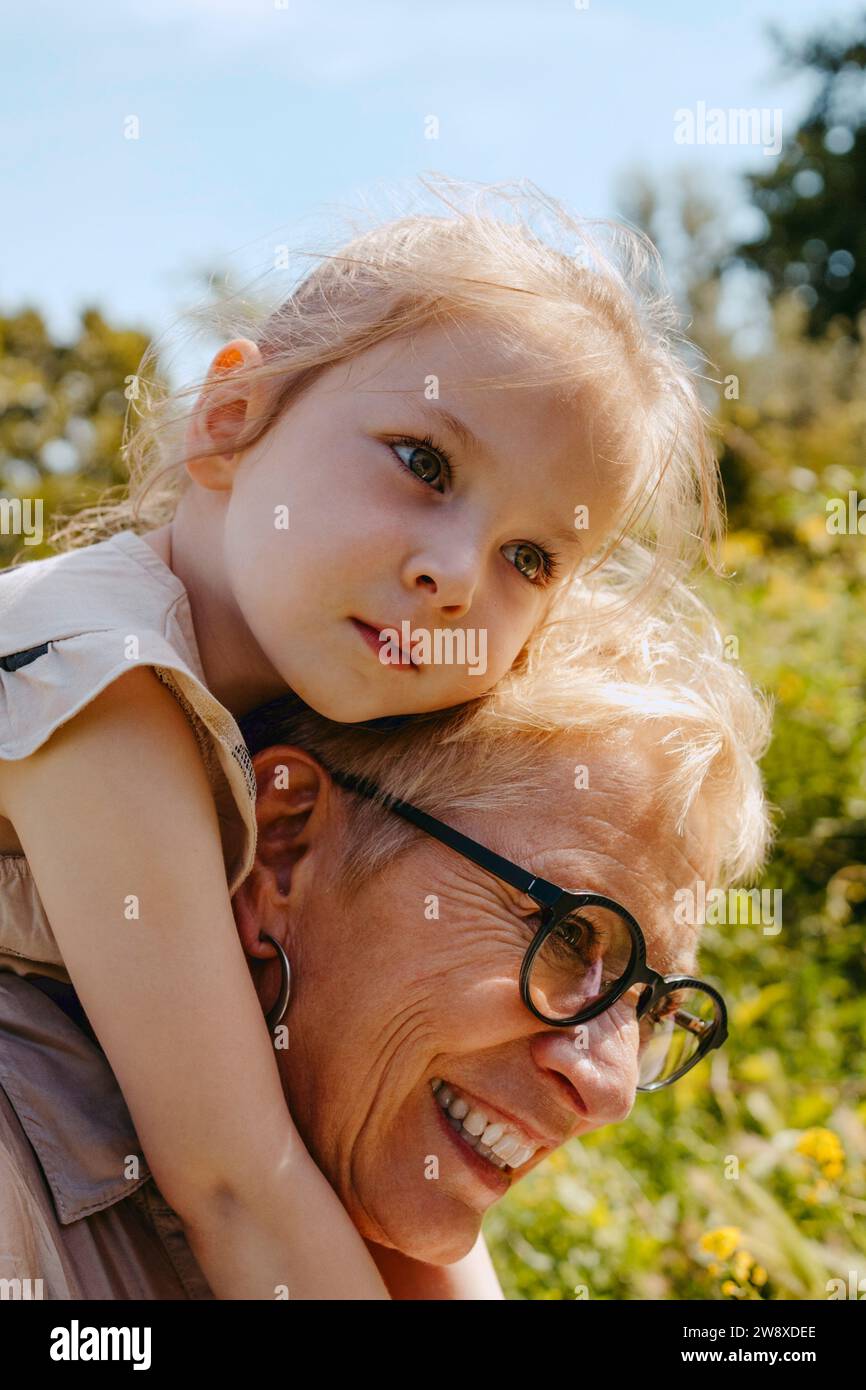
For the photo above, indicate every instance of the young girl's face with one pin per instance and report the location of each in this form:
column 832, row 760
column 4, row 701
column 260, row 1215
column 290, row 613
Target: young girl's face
column 390, row 560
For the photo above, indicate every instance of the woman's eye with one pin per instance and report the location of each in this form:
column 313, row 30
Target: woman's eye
column 427, row 463
column 528, row 560
column 573, row 934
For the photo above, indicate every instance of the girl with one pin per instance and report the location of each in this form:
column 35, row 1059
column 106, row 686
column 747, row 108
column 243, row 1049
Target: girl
column 356, row 510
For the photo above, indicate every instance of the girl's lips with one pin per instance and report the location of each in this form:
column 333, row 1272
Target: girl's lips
column 375, row 643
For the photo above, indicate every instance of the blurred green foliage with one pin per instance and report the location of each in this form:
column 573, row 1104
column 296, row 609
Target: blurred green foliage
column 62, row 410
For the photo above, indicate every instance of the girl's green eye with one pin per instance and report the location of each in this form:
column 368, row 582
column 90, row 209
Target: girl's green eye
column 432, row 465
column 424, row 462
column 526, row 558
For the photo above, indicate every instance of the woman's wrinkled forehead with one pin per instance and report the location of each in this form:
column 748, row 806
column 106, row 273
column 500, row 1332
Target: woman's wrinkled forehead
column 605, row 826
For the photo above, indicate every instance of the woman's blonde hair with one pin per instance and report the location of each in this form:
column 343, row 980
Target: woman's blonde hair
column 584, row 301
column 661, row 680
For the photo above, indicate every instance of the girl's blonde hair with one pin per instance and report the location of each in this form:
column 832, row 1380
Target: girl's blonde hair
column 661, row 681
column 583, row 301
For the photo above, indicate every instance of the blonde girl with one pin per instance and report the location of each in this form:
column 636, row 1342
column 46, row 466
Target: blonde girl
column 443, row 422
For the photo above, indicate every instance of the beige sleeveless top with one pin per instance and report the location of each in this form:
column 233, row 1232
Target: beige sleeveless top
column 69, row 626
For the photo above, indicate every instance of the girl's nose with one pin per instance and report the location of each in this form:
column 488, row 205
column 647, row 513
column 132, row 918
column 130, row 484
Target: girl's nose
column 450, row 584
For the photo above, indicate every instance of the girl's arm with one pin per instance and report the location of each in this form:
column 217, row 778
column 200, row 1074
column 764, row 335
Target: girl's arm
column 118, row 823
column 473, row 1277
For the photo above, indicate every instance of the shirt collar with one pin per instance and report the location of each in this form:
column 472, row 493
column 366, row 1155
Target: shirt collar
column 65, row 1095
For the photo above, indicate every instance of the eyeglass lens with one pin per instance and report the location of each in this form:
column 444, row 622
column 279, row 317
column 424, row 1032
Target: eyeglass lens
column 672, row 1032
column 581, row 963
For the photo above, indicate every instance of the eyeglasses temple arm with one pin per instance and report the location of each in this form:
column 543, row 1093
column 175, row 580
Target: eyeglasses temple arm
column 536, row 888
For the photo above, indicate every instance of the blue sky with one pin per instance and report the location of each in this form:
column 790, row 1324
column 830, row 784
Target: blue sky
column 257, row 121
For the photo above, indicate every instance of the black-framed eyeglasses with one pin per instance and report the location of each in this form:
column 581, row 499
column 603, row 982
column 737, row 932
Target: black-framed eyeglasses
column 587, row 952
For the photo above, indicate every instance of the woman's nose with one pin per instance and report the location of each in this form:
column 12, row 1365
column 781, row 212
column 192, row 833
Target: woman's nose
column 599, row 1063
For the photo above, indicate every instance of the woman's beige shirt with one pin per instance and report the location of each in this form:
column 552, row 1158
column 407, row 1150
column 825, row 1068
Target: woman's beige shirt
column 69, row 626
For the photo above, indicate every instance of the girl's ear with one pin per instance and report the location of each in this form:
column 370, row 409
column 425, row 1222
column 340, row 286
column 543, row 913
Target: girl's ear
column 289, row 788
column 224, row 406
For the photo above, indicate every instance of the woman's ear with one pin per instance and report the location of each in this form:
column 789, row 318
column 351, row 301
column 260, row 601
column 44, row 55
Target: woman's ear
column 290, row 789
column 224, row 406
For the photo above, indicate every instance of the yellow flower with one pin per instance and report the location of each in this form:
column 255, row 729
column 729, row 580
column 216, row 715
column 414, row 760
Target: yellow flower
column 822, row 1145
column 743, row 1262
column 729, row 1287
column 722, row 1242
column 759, row 1276
column 715, row 1270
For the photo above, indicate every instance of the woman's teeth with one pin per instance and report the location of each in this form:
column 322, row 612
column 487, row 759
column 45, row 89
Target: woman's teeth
column 501, row 1144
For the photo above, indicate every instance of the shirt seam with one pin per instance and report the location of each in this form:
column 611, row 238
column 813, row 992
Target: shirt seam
column 147, row 559
column 160, row 1215
column 188, row 632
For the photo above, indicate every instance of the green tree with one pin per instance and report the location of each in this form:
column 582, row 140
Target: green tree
column 62, row 411
column 812, row 200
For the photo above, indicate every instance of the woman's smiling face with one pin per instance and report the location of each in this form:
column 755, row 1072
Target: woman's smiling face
column 417, row 981
column 462, row 535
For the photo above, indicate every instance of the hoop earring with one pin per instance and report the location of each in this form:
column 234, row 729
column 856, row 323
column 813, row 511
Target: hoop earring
column 277, row 1013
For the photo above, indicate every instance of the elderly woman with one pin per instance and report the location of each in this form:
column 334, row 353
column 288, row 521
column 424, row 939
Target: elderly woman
column 463, row 933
